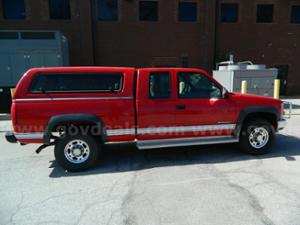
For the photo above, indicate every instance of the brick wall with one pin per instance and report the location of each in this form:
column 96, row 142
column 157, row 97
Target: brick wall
column 276, row 43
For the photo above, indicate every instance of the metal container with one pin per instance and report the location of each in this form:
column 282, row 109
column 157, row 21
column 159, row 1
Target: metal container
column 260, row 80
column 22, row 50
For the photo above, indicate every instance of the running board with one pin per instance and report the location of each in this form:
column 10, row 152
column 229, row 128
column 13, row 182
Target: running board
column 176, row 142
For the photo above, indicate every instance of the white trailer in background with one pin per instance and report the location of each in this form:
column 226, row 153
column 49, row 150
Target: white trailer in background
column 22, row 50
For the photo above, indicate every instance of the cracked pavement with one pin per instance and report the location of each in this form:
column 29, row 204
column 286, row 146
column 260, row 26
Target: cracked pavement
column 204, row 185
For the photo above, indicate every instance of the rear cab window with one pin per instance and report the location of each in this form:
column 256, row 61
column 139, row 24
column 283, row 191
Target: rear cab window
column 76, row 83
column 159, row 85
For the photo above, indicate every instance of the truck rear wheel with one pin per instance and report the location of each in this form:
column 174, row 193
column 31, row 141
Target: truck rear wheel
column 76, row 153
column 257, row 137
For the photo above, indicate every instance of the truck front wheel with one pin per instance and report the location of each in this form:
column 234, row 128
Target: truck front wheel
column 76, row 153
column 257, row 137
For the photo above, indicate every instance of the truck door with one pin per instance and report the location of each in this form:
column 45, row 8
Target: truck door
column 201, row 109
column 155, row 104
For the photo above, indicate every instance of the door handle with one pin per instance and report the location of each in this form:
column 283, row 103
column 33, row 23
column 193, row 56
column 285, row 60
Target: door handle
column 180, row 107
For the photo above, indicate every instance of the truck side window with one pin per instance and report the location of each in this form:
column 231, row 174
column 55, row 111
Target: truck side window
column 159, row 85
column 77, row 83
column 196, row 85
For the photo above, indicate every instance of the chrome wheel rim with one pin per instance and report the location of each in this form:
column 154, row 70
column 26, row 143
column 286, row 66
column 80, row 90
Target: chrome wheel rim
column 259, row 137
column 77, row 151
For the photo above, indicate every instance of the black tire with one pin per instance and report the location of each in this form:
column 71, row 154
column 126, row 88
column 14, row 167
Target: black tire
column 246, row 139
column 74, row 163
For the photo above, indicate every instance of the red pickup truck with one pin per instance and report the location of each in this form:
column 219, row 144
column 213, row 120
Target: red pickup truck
column 81, row 109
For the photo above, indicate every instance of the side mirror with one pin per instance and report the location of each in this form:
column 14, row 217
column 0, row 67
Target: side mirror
column 224, row 93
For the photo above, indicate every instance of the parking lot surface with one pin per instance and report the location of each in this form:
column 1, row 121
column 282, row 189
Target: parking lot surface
column 193, row 185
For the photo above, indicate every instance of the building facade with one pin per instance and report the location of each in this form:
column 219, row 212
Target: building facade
column 179, row 33
column 265, row 31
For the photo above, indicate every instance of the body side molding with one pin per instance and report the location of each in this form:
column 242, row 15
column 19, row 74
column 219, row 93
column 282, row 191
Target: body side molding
column 177, row 142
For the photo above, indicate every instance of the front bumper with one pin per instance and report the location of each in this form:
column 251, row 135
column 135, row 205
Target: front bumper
column 10, row 137
column 281, row 124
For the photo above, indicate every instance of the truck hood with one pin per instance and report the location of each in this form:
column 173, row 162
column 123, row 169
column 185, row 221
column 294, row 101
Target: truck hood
column 255, row 100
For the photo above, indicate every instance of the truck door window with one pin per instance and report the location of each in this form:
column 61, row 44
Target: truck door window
column 196, row 85
column 159, row 85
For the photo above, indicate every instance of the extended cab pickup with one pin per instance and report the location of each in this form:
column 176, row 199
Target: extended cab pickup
column 80, row 109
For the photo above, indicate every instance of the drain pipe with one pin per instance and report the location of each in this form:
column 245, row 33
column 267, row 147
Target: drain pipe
column 216, row 31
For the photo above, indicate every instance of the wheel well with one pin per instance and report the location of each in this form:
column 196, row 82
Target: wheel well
column 270, row 117
column 74, row 128
column 88, row 123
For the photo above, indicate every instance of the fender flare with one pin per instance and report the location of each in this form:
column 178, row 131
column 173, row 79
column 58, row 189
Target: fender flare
column 73, row 118
column 253, row 109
